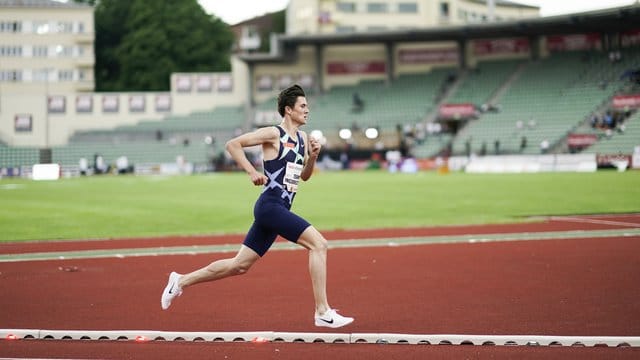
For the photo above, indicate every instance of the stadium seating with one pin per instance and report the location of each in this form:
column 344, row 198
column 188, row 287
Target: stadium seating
column 550, row 98
column 408, row 99
column 158, row 141
column 619, row 141
column 479, row 84
column 18, row 156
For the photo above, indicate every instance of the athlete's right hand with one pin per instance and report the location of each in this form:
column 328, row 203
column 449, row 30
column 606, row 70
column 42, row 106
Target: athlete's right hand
column 258, row 178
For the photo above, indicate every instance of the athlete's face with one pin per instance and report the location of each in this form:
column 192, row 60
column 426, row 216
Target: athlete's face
column 300, row 111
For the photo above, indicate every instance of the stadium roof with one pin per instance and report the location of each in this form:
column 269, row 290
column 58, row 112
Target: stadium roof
column 609, row 20
column 41, row 4
column 506, row 3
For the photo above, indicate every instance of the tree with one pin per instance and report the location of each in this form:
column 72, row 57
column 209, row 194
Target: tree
column 277, row 26
column 139, row 43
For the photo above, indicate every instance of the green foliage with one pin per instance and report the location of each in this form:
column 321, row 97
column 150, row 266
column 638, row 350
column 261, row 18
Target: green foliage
column 278, row 27
column 140, row 43
column 135, row 206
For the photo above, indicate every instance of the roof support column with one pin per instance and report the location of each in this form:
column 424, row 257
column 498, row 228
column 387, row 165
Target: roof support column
column 251, row 100
column 319, row 83
column 390, row 60
column 534, row 45
column 462, row 54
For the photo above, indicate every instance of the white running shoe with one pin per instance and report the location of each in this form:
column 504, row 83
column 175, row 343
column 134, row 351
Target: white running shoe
column 332, row 319
column 171, row 291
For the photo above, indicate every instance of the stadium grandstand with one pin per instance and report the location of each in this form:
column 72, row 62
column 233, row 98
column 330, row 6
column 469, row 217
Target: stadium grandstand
column 464, row 87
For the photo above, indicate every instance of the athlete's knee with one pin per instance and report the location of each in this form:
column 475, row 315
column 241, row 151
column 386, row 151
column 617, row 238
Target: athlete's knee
column 319, row 244
column 323, row 245
column 313, row 240
column 240, row 267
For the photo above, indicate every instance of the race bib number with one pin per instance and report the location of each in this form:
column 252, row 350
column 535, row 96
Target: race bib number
column 292, row 176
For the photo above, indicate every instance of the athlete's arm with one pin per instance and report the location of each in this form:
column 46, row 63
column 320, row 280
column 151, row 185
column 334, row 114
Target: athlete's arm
column 266, row 137
column 310, row 156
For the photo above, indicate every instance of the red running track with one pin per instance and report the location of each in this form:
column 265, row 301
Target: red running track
column 570, row 287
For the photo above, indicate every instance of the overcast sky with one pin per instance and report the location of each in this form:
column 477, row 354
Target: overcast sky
column 235, row 11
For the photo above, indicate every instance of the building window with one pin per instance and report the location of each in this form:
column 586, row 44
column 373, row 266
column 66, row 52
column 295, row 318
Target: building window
column 65, row 75
column 10, row 76
column 407, row 8
column 40, row 51
column 347, row 7
column 345, row 29
column 40, row 75
column 64, row 51
column 10, row 51
column 377, row 7
column 10, row 26
column 65, row 27
column 377, row 28
column 444, row 10
column 41, row 27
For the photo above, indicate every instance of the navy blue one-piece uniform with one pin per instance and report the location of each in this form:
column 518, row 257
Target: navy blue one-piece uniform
column 272, row 214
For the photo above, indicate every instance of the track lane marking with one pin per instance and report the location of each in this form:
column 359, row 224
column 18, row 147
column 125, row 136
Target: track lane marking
column 333, row 244
column 593, row 221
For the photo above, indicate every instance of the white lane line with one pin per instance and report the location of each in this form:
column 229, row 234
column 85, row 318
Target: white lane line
column 593, row 221
column 333, row 244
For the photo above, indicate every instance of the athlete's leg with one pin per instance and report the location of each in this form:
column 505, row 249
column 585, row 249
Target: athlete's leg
column 317, row 246
column 220, row 269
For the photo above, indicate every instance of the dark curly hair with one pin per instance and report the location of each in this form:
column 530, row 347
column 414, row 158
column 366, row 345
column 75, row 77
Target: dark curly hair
column 288, row 97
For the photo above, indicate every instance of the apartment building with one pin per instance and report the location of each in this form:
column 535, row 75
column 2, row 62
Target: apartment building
column 46, row 46
column 349, row 16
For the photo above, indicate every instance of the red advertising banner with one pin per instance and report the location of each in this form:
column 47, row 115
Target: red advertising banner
column 428, row 56
column 324, row 17
column 456, row 111
column 183, row 83
column 581, row 140
column 84, row 103
column 23, row 122
column 163, row 102
column 57, row 104
column 606, row 160
column 631, row 37
column 356, row 67
column 501, row 46
column 624, row 101
column 573, row 42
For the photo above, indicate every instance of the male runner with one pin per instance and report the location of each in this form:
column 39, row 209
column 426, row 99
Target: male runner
column 287, row 159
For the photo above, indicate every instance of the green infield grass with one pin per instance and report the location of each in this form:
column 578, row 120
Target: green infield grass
column 144, row 206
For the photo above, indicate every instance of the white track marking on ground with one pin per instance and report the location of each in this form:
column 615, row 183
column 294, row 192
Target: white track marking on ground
column 593, row 221
column 333, row 244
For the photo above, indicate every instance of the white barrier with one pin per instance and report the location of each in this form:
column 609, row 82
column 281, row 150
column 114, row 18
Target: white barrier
column 347, row 338
column 45, row 172
column 532, row 164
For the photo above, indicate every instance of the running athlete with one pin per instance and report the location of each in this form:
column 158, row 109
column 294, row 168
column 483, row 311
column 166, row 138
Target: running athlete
column 289, row 155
